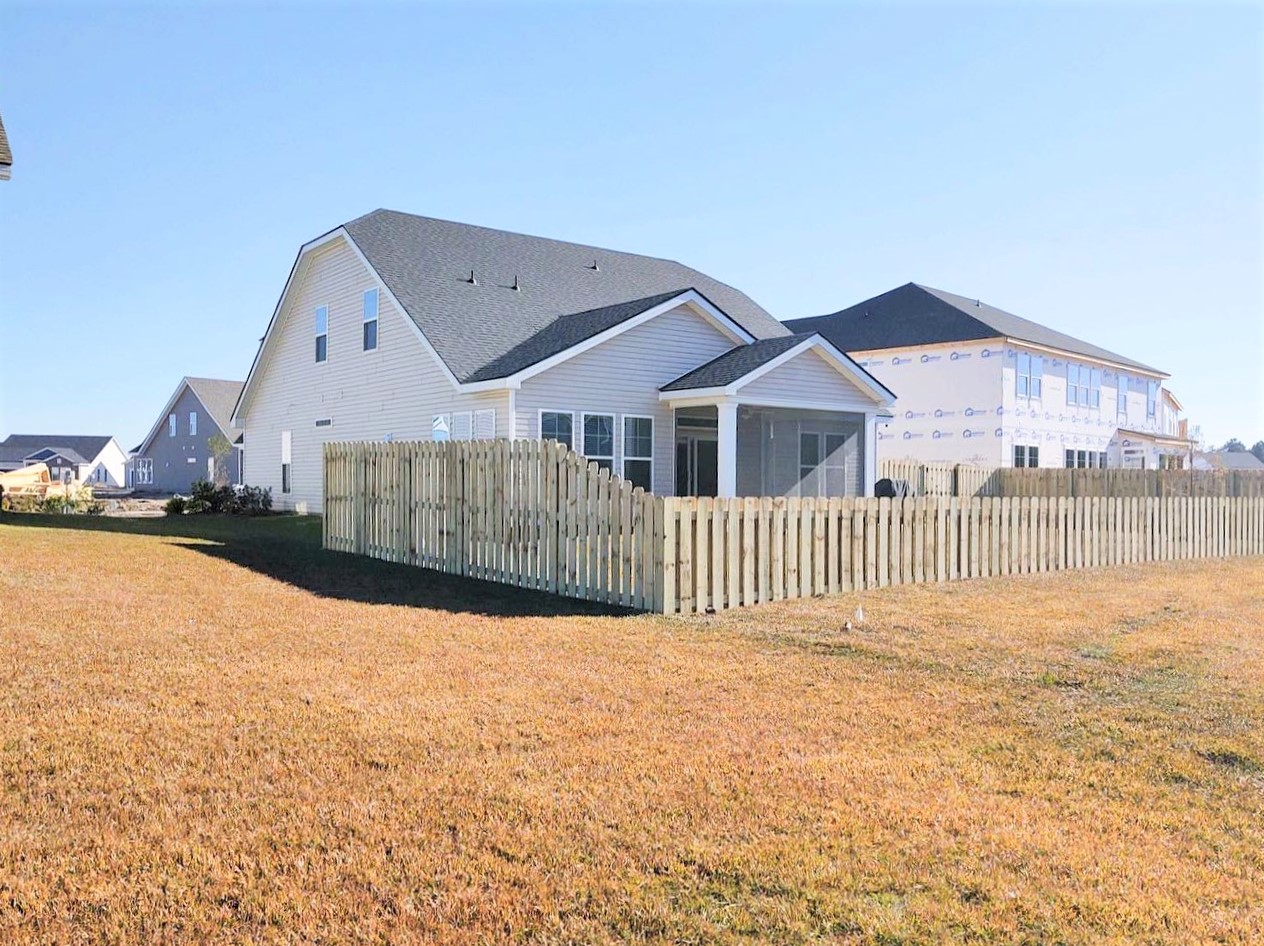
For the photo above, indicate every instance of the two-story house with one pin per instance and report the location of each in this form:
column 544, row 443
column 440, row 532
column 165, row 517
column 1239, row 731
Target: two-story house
column 179, row 448
column 982, row 386
column 396, row 326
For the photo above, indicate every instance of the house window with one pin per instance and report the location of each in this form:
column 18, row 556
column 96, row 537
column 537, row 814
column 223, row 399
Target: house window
column 1084, row 386
column 1152, row 399
column 322, row 333
column 192, row 423
column 1026, row 456
column 1031, row 369
column 599, row 440
column 462, row 425
column 441, row 427
column 1101, row 459
column 1121, row 398
column 171, row 426
column 286, row 443
column 370, row 320
column 1081, row 458
column 1070, row 460
column 144, row 475
column 638, row 451
column 1095, row 388
column 325, row 422
column 485, row 424
column 559, row 426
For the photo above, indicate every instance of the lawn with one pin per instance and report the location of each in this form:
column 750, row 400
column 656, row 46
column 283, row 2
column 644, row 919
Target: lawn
column 211, row 731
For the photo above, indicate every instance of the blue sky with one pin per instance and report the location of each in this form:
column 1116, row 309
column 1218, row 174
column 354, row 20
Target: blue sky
column 1093, row 167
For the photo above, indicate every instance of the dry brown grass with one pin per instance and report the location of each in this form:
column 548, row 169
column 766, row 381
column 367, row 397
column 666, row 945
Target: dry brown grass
column 231, row 742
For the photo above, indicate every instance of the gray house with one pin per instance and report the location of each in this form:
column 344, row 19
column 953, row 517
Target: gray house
column 396, row 326
column 178, row 449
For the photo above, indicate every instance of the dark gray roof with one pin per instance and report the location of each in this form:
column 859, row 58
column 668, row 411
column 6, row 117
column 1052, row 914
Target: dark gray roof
column 735, row 364
column 565, row 332
column 6, row 156
column 17, row 447
column 487, row 330
column 919, row 315
column 47, row 453
column 219, row 398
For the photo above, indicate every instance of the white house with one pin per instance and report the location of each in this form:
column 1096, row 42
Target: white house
column 395, row 326
column 95, row 460
column 982, row 386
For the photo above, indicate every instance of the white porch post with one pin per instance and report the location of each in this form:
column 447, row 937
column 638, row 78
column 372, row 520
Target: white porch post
column 871, row 452
column 726, row 449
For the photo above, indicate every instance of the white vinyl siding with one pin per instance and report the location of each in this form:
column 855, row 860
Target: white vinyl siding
column 808, row 381
column 396, row 390
column 623, row 376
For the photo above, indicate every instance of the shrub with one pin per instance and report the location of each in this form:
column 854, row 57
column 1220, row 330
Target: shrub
column 174, row 506
column 252, row 501
column 206, row 497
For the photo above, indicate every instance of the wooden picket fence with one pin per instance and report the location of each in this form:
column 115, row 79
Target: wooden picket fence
column 527, row 513
column 536, row 515
column 722, row 553
column 964, row 481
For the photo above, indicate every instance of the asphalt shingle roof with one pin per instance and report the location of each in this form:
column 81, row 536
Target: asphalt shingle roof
column 734, row 364
column 17, row 447
column 919, row 315
column 219, row 398
column 488, row 330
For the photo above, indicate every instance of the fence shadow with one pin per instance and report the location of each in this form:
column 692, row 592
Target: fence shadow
column 287, row 549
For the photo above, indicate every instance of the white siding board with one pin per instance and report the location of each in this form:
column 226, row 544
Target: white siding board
column 623, row 376
column 811, row 379
column 392, row 391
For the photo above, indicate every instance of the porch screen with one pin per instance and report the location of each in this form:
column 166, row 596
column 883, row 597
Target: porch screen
column 784, row 452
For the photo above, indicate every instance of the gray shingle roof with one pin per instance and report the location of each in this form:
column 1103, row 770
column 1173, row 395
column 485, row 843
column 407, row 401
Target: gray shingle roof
column 16, row 447
column 1235, row 460
column 219, row 398
column 919, row 315
column 487, row 330
column 734, row 364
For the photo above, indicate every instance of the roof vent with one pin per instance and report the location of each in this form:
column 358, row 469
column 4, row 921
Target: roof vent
column 594, row 267
column 472, row 281
column 977, row 304
column 515, row 287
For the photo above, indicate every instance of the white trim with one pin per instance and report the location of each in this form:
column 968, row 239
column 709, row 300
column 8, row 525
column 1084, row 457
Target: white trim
column 708, row 400
column 839, row 360
column 582, row 449
column 623, row 443
column 513, row 416
column 690, row 297
column 1076, row 356
column 539, row 424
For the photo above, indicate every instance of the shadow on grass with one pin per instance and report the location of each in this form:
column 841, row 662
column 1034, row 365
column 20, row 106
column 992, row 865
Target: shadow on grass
column 288, row 549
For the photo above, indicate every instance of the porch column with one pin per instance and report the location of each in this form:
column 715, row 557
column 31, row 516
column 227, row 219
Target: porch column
column 726, row 450
column 871, row 453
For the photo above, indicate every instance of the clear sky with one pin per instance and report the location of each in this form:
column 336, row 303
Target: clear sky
column 1097, row 168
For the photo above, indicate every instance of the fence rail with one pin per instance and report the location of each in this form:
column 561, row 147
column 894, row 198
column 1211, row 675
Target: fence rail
column 964, row 481
column 536, row 515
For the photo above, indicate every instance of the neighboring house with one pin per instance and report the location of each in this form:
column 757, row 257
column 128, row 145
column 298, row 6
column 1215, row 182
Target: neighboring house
column 94, row 460
column 6, row 156
column 1238, row 460
column 177, row 449
column 395, row 326
column 979, row 385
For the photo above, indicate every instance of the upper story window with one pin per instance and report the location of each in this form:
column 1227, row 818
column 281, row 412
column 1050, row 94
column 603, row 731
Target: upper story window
column 171, row 426
column 559, row 426
column 370, row 320
column 192, row 423
column 599, row 439
column 1121, row 397
column 1031, row 369
column 1152, row 399
column 322, row 333
column 1084, row 386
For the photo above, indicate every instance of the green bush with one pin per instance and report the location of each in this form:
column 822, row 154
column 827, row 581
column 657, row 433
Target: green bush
column 174, row 506
column 206, row 497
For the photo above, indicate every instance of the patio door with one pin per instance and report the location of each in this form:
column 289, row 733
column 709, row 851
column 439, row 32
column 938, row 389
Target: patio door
column 697, row 464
